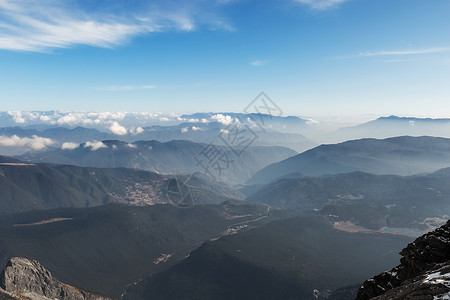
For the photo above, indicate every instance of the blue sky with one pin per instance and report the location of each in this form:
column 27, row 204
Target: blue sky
column 313, row 57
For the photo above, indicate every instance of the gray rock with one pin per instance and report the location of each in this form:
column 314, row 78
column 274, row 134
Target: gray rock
column 423, row 273
column 28, row 279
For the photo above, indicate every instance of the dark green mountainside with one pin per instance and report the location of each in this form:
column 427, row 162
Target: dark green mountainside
column 372, row 201
column 286, row 259
column 43, row 186
column 108, row 247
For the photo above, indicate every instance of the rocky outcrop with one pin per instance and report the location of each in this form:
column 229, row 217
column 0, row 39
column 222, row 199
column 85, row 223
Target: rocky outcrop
column 28, row 279
column 423, row 273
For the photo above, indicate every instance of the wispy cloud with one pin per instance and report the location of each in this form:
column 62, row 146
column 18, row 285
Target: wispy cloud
column 42, row 25
column 321, row 4
column 405, row 52
column 394, row 54
column 258, row 63
column 125, row 88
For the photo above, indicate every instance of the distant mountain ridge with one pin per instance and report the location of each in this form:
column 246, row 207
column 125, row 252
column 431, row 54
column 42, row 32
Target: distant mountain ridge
column 174, row 157
column 399, row 155
column 391, row 126
column 188, row 129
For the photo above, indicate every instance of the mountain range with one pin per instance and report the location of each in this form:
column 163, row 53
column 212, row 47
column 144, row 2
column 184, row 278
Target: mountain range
column 418, row 202
column 391, row 126
column 25, row 186
column 399, row 155
column 211, row 132
column 232, row 165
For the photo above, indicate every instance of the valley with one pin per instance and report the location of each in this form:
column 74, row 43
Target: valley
column 137, row 220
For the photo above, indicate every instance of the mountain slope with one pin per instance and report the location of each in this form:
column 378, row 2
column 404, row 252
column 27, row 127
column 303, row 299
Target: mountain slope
column 285, row 259
column 169, row 158
column 108, row 247
column 391, row 126
column 372, row 201
column 43, row 186
column 424, row 272
column 400, row 155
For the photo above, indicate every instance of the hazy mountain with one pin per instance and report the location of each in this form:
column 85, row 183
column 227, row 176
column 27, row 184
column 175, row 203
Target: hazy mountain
column 61, row 134
column 172, row 157
column 28, row 279
column 107, row 248
column 372, row 201
column 215, row 132
column 400, row 155
column 279, row 123
column 385, row 127
column 42, row 186
column 285, row 259
column 424, row 271
column 264, row 130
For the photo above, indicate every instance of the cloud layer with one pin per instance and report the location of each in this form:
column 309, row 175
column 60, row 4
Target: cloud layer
column 33, row 143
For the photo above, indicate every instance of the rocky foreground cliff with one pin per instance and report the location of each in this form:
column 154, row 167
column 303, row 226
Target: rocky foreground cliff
column 423, row 273
column 27, row 279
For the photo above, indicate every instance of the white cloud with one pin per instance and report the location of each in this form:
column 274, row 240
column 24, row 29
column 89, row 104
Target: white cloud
column 111, row 115
column 17, row 116
column 133, row 146
column 321, row 4
column 312, row 122
column 185, row 129
column 42, row 25
column 139, row 130
column 45, row 118
column 258, row 63
column 195, row 128
column 33, row 143
column 71, row 119
column 205, row 121
column 93, row 119
column 136, row 130
column 95, row 145
column 116, row 128
column 405, row 52
column 69, row 146
column 226, row 120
